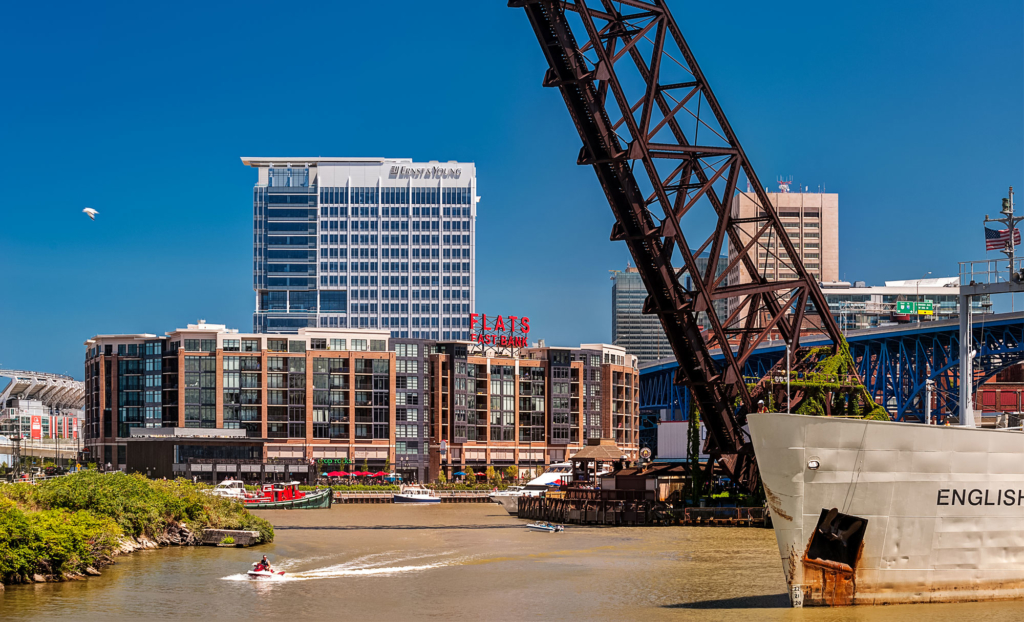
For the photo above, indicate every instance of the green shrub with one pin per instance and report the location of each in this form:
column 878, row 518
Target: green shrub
column 66, row 523
column 228, row 540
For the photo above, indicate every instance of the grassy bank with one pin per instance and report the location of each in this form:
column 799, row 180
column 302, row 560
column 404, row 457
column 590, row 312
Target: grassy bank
column 70, row 525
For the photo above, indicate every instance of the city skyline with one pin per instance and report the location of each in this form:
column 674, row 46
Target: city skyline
column 170, row 243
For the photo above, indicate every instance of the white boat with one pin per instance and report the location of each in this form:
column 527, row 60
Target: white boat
column 555, row 475
column 548, row 527
column 921, row 513
column 509, row 499
column 415, row 494
column 231, row 488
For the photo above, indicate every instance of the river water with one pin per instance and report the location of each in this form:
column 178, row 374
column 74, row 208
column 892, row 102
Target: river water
column 459, row 562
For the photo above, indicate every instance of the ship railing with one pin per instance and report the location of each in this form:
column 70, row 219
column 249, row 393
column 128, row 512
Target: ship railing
column 988, row 271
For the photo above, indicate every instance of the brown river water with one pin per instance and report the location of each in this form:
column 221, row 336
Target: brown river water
column 459, row 562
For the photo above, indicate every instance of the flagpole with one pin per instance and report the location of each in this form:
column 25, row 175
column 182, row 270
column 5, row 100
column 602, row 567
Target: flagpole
column 1011, row 225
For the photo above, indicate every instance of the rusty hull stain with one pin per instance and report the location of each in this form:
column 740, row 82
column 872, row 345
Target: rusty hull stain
column 774, row 503
column 828, row 583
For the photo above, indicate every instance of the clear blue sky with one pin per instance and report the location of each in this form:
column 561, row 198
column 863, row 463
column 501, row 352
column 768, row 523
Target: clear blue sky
column 911, row 111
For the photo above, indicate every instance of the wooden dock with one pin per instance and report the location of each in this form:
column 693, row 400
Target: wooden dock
column 592, row 507
column 726, row 517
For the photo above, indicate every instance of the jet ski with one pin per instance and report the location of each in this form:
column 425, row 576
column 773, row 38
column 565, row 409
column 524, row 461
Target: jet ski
column 259, row 572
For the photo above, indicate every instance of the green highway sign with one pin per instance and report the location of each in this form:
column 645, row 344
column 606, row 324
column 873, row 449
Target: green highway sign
column 924, row 307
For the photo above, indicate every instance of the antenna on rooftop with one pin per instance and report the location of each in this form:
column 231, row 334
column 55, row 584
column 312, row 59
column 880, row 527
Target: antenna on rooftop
column 785, row 183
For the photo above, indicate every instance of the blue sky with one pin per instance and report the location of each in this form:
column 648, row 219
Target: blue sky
column 911, row 111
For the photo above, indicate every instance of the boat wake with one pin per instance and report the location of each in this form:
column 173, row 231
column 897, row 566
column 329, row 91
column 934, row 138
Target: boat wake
column 378, row 564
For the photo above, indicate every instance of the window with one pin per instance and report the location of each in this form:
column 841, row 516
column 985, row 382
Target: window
column 337, row 344
column 317, row 344
column 378, row 345
column 231, row 345
column 359, row 345
column 277, row 345
column 191, row 345
column 250, row 345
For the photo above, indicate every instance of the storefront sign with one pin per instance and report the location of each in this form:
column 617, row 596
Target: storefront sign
column 37, row 427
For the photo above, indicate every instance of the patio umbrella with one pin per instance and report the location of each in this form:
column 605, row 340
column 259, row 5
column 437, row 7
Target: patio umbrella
column 334, row 474
column 325, row 474
column 461, row 473
column 481, row 475
column 379, row 474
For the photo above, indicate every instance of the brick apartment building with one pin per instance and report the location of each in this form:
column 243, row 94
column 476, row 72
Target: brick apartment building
column 262, row 404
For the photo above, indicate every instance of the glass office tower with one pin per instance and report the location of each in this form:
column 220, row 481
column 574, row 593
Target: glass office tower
column 364, row 243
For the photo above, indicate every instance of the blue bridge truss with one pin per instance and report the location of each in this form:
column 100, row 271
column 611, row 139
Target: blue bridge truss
column 893, row 361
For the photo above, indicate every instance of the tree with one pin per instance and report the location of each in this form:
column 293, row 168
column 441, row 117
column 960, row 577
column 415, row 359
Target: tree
column 492, row 475
column 387, row 465
column 693, row 453
column 470, row 475
column 442, row 478
column 366, row 465
column 512, row 472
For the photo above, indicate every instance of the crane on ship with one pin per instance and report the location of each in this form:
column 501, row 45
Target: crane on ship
column 669, row 163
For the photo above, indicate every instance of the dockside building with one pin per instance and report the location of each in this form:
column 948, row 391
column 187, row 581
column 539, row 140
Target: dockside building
column 279, row 405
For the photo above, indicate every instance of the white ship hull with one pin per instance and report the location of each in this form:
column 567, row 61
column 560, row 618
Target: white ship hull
column 940, row 509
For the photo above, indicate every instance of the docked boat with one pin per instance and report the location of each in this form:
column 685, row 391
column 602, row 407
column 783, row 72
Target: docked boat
column 230, row 488
column 547, row 527
column 287, row 496
column 509, row 499
column 877, row 512
column 555, row 475
column 415, row 494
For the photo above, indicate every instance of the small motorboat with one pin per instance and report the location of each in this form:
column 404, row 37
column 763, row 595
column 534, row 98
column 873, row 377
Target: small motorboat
column 415, row 494
column 264, row 574
column 548, row 527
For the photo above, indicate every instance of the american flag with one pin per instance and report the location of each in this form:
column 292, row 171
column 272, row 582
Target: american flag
column 996, row 240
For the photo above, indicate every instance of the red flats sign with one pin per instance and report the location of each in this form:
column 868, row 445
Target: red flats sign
column 499, row 331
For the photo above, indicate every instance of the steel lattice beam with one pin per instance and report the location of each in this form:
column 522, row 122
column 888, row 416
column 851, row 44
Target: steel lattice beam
column 662, row 139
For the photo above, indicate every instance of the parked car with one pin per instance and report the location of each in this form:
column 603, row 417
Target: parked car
column 55, row 470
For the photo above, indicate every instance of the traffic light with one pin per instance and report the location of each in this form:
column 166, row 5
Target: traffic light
column 1006, row 205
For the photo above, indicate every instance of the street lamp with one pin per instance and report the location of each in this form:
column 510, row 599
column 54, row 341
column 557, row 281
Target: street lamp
column 918, row 296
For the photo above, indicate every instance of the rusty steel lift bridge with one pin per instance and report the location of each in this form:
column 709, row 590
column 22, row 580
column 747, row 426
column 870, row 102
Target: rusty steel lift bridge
column 669, row 163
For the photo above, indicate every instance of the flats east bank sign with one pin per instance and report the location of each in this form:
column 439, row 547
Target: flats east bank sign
column 499, row 331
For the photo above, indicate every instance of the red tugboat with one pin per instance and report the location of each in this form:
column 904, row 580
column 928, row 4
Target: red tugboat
column 287, row 496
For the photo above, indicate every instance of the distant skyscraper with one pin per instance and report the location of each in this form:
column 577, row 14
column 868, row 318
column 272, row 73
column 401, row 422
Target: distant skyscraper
column 641, row 335
column 811, row 221
column 364, row 243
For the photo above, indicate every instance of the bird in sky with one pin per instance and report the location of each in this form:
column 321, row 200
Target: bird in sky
column 91, row 212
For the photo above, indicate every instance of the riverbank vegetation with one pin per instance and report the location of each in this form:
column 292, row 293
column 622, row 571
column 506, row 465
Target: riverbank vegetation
column 68, row 526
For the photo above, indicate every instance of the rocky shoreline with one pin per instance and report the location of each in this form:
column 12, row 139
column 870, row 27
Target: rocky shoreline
column 177, row 534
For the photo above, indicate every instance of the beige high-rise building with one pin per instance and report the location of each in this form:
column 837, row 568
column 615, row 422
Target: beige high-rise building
column 810, row 219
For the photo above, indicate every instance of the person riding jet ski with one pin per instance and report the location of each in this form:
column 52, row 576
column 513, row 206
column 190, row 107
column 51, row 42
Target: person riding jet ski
column 263, row 565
